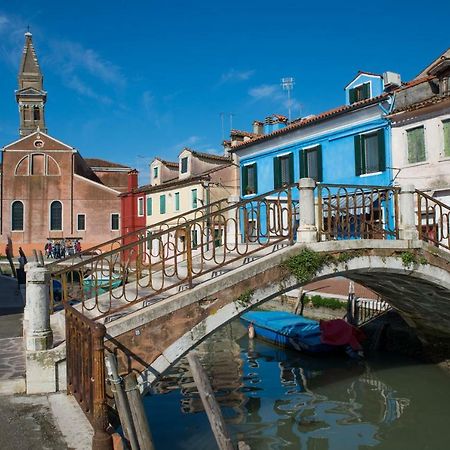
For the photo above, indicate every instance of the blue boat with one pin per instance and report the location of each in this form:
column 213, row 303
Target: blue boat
column 288, row 330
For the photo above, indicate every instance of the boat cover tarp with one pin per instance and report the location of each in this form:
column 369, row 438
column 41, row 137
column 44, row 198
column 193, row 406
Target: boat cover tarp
column 288, row 324
column 339, row 332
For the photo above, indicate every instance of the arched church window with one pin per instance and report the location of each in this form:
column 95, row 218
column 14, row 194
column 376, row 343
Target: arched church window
column 17, row 216
column 56, row 216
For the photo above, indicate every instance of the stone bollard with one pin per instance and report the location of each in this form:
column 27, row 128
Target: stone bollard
column 307, row 230
column 407, row 226
column 39, row 335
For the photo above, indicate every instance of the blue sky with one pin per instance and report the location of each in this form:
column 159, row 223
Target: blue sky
column 128, row 81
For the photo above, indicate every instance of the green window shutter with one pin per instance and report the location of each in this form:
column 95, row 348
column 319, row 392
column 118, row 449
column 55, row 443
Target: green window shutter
column 381, row 151
column 194, row 199
column 291, row 168
column 276, row 173
column 319, row 164
column 177, row 201
column 162, row 204
column 446, row 127
column 303, row 163
column 244, row 180
column 416, row 145
column 358, row 156
column 255, row 177
column 366, row 90
column 149, row 206
column 351, row 96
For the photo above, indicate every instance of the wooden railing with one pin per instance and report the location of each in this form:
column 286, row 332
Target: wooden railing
column 86, row 372
column 433, row 220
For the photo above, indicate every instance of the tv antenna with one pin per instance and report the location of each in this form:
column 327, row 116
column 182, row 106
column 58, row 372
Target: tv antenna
column 288, row 85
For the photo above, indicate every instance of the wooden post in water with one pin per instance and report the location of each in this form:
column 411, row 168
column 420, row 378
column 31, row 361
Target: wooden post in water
column 210, row 403
column 300, row 302
column 121, row 401
column 140, row 422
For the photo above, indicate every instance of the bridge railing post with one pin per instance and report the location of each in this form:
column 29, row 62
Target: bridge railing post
column 407, row 226
column 307, row 230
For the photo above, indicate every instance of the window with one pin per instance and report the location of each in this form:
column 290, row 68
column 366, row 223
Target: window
column 446, row 127
column 140, row 206
column 149, row 206
column 36, row 113
column 283, row 167
column 81, row 222
column 358, row 93
column 177, row 201
column 17, row 216
column 416, row 145
column 249, row 179
column 370, row 155
column 56, row 216
column 162, row 204
column 311, row 163
column 194, row 239
column 194, row 198
column 155, row 172
column 114, row 221
column 184, row 164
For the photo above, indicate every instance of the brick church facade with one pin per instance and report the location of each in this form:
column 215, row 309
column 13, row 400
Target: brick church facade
column 48, row 190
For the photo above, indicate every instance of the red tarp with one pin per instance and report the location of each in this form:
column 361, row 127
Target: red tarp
column 339, row 332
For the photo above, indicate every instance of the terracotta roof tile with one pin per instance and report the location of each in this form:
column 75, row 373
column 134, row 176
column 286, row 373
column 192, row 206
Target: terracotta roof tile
column 308, row 121
column 172, row 164
column 208, row 156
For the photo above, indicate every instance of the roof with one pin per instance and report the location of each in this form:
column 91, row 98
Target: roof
column 101, row 163
column 311, row 120
column 207, row 156
column 436, row 61
column 29, row 64
column 434, row 100
column 362, row 72
column 242, row 133
column 172, row 164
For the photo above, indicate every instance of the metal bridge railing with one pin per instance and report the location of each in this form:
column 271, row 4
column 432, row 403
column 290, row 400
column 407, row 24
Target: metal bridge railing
column 433, row 220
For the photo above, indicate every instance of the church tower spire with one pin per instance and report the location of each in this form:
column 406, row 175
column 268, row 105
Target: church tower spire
column 30, row 96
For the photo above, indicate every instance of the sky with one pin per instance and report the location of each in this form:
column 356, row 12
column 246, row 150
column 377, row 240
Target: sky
column 131, row 80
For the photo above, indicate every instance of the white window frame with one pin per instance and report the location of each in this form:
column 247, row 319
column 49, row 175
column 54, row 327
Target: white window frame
column 85, row 223
column 140, row 207
column 110, row 221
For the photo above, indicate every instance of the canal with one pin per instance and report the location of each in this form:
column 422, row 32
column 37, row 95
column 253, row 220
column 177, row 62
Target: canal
column 279, row 399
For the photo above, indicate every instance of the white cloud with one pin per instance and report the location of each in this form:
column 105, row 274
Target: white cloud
column 263, row 91
column 234, row 75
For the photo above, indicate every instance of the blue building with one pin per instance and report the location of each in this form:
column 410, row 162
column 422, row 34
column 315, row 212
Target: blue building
column 350, row 144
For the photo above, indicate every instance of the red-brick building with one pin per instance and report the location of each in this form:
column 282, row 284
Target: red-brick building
column 48, row 190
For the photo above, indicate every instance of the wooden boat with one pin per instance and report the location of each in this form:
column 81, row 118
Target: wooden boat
column 299, row 333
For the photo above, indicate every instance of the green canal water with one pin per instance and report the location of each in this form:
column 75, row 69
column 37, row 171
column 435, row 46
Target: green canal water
column 279, row 399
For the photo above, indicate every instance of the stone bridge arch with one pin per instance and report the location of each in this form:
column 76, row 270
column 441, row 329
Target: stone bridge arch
column 414, row 277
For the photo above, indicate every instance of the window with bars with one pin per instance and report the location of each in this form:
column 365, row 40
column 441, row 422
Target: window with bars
column 81, row 222
column 17, row 216
column 370, row 153
column 249, row 179
column 311, row 163
column 162, row 204
column 416, row 145
column 446, row 129
column 56, row 216
column 358, row 93
column 283, row 168
column 115, row 221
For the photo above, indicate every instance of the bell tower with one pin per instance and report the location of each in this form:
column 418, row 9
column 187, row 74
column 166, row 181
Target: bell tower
column 30, row 95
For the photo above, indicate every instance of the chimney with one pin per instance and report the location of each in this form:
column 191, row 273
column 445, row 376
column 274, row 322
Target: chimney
column 132, row 180
column 258, row 127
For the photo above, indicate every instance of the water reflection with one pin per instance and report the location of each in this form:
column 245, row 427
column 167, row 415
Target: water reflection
column 276, row 399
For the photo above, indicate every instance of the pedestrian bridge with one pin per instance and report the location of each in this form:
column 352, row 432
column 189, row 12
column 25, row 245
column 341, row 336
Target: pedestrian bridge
column 163, row 289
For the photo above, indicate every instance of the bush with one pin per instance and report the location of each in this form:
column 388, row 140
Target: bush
column 325, row 302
